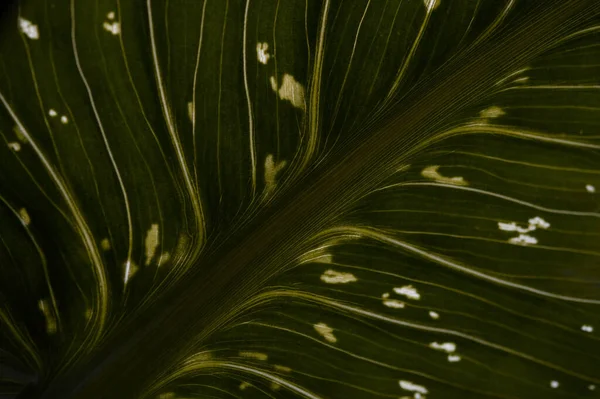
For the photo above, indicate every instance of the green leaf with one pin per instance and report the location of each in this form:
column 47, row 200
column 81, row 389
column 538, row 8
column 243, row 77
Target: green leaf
column 317, row 199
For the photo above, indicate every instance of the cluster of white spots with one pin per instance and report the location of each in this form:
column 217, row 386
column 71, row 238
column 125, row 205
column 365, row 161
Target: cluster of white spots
column 15, row 146
column 151, row 242
column 261, row 52
column 431, row 172
column 431, row 4
column 105, row 244
column 290, row 90
column 271, row 170
column 408, row 291
column 29, row 29
column 50, row 319
column 587, row 328
column 554, row 384
column 325, row 331
column 254, row 355
column 112, row 26
column 130, row 269
column 492, row 112
column 538, row 222
column 244, row 385
column 412, row 387
column 24, row 215
column 590, row 189
column 434, row 315
column 523, row 238
column 283, row 369
column 448, row 347
column 53, row 114
column 331, row 276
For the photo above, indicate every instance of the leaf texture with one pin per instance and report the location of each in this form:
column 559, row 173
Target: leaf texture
column 317, row 199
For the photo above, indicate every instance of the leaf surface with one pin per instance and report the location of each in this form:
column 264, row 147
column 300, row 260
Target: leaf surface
column 319, row 199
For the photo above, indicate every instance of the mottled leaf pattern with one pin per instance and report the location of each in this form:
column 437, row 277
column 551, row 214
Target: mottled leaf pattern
column 316, row 199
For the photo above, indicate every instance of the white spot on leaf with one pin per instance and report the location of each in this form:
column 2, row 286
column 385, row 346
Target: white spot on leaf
column 412, row 387
column 453, row 358
column 64, row 120
column 523, row 239
column 261, row 52
column 111, row 15
column 590, row 189
column 289, row 90
column 393, row 303
column 408, row 291
column 434, row 315
column 592, row 387
column 52, row 113
column 29, row 29
column 587, row 328
column 15, row 146
column 431, row 172
column 512, row 226
column 112, row 27
column 447, row 347
column 538, row 222
column 326, row 332
column 492, row 112
column 334, row 277
column 151, row 242
column 554, row 384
